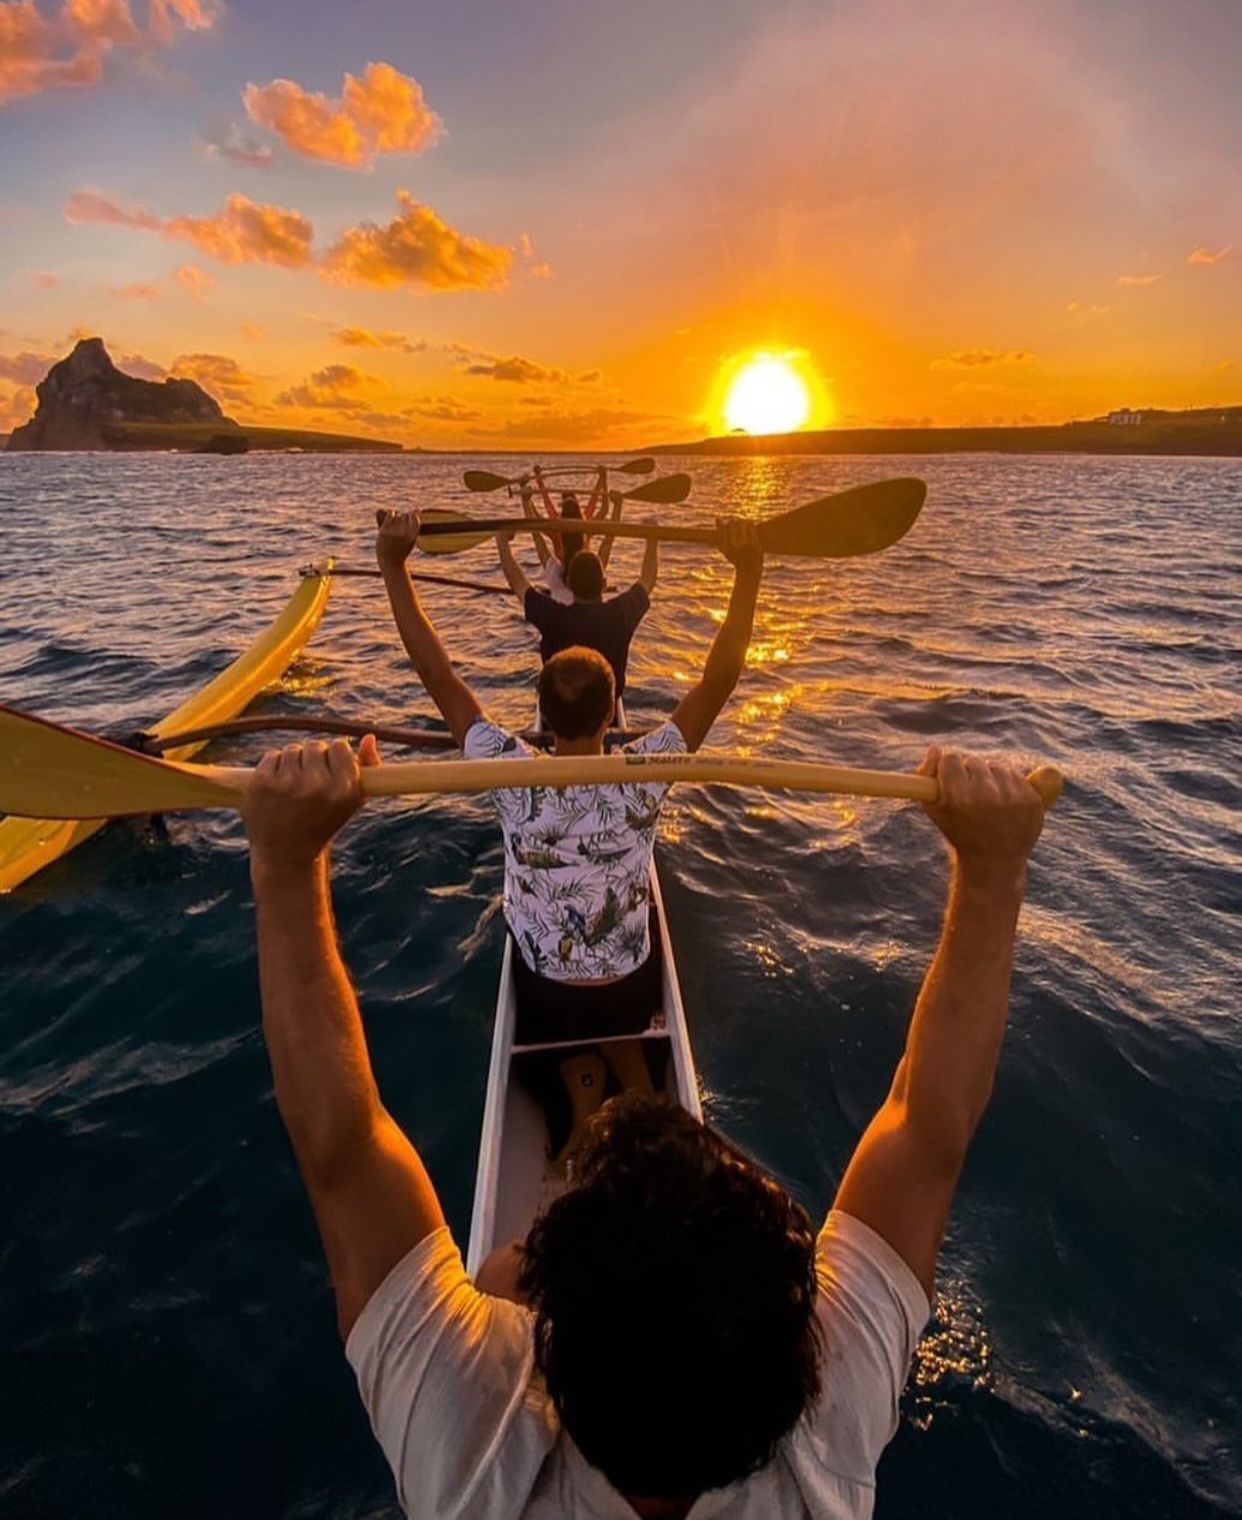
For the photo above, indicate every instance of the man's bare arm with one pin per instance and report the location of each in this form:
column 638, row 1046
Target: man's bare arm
column 700, row 707
column 904, row 1172
column 650, row 571
column 372, row 1197
column 612, row 513
column 542, row 548
column 458, row 705
column 514, row 573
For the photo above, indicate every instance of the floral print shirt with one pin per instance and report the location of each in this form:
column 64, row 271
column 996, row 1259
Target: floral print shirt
column 577, row 862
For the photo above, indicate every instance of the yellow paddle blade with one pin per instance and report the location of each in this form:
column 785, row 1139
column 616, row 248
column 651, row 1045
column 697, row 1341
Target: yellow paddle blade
column 52, row 772
column 47, row 771
column 448, row 543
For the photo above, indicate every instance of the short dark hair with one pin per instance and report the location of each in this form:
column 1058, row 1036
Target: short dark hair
column 585, row 576
column 577, row 692
column 674, row 1293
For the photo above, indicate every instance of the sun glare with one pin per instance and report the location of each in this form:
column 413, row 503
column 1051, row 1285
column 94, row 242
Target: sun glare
column 767, row 395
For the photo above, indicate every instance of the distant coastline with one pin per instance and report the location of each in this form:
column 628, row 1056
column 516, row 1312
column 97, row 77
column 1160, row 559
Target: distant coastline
column 1214, row 431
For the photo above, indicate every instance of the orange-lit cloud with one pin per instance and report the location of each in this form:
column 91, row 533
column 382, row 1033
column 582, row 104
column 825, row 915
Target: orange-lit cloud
column 1085, row 309
column 383, row 112
column 518, row 370
column 218, row 374
column 43, row 278
column 363, row 337
column 137, row 364
column 417, row 248
column 334, row 387
column 442, row 409
column 55, row 51
column 25, row 368
column 980, row 358
column 585, row 426
column 17, row 408
column 139, row 290
column 241, row 232
column 1137, row 279
column 1203, row 255
column 255, row 331
column 196, row 282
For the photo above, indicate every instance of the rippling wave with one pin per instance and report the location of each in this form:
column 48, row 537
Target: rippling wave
column 169, row 1335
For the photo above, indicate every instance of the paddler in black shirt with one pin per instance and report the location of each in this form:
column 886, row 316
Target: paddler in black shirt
column 606, row 626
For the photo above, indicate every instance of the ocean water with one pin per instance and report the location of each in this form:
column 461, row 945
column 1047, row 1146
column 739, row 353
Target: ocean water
column 169, row 1345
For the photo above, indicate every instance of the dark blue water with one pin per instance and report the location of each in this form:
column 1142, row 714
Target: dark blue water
column 169, row 1345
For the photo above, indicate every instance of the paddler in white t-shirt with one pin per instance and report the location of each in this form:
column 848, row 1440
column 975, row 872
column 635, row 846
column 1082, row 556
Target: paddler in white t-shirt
column 674, row 1339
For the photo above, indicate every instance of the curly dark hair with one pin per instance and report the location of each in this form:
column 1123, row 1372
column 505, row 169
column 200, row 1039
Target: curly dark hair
column 674, row 1293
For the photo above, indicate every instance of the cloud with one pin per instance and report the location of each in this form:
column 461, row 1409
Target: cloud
column 47, row 52
column 25, row 368
column 588, row 377
column 1083, row 309
column 1223, row 367
column 520, row 371
column 332, row 387
column 1137, row 279
column 442, row 409
column 363, row 337
column 43, row 278
column 1203, row 255
column 137, row 364
column 138, row 290
column 218, row 374
column 196, row 282
column 254, row 331
column 383, row 112
column 417, row 248
column 587, row 426
column 541, row 271
column 236, row 147
column 241, row 232
column 979, row 358
column 17, row 408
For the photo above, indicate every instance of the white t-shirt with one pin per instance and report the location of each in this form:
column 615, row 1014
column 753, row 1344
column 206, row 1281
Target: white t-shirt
column 448, row 1379
column 554, row 577
column 577, row 861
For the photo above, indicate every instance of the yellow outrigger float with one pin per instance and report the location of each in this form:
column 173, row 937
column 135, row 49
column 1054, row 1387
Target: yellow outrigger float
column 29, row 844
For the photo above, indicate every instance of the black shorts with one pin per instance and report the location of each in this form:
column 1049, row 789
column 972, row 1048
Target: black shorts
column 550, row 1010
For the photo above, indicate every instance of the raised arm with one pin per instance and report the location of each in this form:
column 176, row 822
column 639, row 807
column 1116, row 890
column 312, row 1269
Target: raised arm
column 650, row 572
column 904, row 1173
column 457, row 703
column 514, row 573
column 371, row 1194
column 612, row 512
column 699, row 708
column 542, row 548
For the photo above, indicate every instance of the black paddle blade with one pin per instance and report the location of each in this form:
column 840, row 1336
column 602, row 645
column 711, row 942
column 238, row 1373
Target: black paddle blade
column 634, row 467
column 667, row 489
column 483, row 480
column 860, row 521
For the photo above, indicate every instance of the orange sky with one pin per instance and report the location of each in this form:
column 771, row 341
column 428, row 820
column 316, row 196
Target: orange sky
column 555, row 227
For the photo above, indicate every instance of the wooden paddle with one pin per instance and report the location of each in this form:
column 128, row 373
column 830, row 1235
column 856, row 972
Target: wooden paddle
column 366, row 571
column 47, row 771
column 486, row 480
column 862, row 520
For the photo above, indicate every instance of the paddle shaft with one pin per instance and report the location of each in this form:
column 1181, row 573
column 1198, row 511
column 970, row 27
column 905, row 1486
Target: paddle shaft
column 595, row 527
column 308, row 723
column 423, row 778
column 439, row 580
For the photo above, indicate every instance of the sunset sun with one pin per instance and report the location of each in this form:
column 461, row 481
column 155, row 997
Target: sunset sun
column 767, row 395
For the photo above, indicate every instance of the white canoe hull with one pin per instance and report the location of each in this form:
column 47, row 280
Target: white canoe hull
column 515, row 1178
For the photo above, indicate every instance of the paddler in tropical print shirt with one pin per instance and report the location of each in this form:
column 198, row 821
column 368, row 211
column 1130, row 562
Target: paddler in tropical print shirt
column 577, row 859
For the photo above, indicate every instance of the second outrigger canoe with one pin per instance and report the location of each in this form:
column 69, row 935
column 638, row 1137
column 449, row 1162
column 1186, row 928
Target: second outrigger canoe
column 516, row 1177
column 29, row 844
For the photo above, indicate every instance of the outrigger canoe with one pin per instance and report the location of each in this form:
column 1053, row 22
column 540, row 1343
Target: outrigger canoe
column 516, row 1177
column 29, row 844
